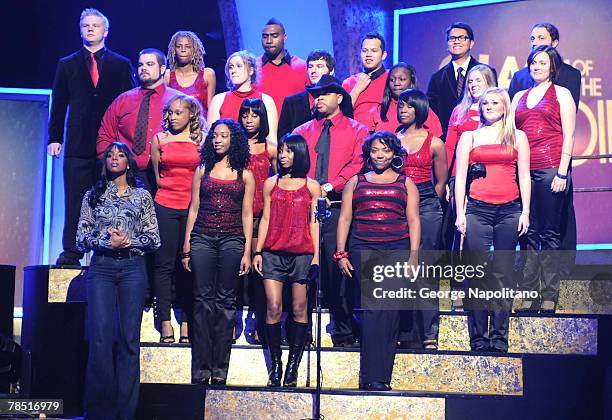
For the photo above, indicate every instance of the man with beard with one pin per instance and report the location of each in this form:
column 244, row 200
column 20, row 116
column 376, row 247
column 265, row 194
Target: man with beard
column 86, row 82
column 281, row 73
column 366, row 88
column 136, row 115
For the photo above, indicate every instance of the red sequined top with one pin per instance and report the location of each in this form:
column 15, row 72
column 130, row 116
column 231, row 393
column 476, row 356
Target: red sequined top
column 260, row 165
column 417, row 166
column 455, row 129
column 220, row 209
column 500, row 185
column 199, row 89
column 178, row 161
column 542, row 125
column 379, row 210
column 289, row 228
column 230, row 108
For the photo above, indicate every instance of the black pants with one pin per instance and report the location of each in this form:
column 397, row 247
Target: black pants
column 172, row 233
column 80, row 174
column 542, row 266
column 215, row 261
column 491, row 225
column 425, row 323
column 338, row 290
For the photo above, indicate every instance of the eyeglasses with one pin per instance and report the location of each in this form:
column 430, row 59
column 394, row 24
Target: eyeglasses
column 460, row 38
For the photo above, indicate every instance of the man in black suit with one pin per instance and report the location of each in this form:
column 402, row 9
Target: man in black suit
column 545, row 33
column 86, row 82
column 298, row 108
column 446, row 86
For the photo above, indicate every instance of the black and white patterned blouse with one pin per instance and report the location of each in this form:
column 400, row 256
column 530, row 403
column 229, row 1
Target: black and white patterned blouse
column 133, row 213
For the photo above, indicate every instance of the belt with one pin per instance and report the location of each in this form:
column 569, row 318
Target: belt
column 117, row 254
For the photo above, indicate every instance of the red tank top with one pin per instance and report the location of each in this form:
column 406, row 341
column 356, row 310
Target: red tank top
column 379, row 210
column 418, row 165
column 220, row 209
column 289, row 228
column 178, row 161
column 230, row 108
column 542, row 125
column 199, row 89
column 259, row 164
column 500, row 185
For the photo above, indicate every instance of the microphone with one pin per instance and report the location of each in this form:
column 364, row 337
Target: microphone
column 322, row 213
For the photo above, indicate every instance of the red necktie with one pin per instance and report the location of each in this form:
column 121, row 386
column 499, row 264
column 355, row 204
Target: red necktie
column 93, row 69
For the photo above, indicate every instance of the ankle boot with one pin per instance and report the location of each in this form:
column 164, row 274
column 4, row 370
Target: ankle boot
column 296, row 347
column 273, row 335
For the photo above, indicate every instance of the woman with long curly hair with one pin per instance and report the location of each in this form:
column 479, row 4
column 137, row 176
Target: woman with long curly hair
column 175, row 157
column 219, row 227
column 187, row 72
column 241, row 73
column 118, row 224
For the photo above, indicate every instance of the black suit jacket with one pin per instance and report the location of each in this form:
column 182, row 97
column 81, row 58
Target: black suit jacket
column 73, row 90
column 568, row 77
column 295, row 112
column 442, row 92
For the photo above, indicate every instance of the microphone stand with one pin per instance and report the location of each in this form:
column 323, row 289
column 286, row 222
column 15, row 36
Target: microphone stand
column 320, row 215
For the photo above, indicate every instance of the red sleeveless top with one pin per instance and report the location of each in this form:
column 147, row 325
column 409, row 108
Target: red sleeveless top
column 220, row 209
column 289, row 228
column 417, row 166
column 260, row 165
column 500, row 185
column 199, row 89
column 230, row 108
column 178, row 161
column 379, row 210
column 542, row 125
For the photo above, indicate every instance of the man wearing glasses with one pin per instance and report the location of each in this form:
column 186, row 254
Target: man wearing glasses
column 446, row 86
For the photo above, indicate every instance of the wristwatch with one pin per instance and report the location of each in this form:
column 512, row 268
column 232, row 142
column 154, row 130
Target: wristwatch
column 327, row 187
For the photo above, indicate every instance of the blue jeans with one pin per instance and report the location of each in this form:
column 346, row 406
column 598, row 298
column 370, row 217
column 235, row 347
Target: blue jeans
column 115, row 291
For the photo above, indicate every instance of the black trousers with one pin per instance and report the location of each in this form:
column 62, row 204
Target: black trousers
column 425, row 322
column 491, row 225
column 338, row 290
column 171, row 224
column 542, row 265
column 215, row 261
column 80, row 174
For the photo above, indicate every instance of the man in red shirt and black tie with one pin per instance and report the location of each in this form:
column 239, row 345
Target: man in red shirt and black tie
column 366, row 88
column 136, row 115
column 334, row 143
column 281, row 73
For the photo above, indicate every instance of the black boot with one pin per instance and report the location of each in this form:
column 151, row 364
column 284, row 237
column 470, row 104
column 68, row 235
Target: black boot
column 296, row 348
column 273, row 336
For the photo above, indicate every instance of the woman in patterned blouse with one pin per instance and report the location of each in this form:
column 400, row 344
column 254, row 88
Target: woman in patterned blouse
column 118, row 224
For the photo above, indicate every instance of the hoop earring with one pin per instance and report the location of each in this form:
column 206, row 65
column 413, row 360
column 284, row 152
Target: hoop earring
column 397, row 162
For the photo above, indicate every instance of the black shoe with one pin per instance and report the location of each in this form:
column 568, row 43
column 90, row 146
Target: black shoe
column 200, row 381
column 273, row 336
column 217, row 381
column 295, row 353
column 67, row 260
column 480, row 347
column 377, row 386
column 528, row 307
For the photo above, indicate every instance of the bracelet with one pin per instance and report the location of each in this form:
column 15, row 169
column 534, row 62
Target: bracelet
column 338, row 255
column 185, row 255
column 561, row 176
column 256, row 253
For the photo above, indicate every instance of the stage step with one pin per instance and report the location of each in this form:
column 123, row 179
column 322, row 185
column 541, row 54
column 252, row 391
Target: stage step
column 546, row 335
column 257, row 404
column 444, row 372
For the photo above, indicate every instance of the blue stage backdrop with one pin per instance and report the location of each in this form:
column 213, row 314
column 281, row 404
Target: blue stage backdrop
column 501, row 32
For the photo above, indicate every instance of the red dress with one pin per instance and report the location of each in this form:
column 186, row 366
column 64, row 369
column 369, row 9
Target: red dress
column 260, row 165
column 230, row 108
column 455, row 129
column 499, row 186
column 289, row 228
column 199, row 89
column 418, row 165
column 178, row 161
column 542, row 125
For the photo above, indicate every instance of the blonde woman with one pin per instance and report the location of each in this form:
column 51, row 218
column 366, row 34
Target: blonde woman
column 241, row 74
column 175, row 157
column 497, row 211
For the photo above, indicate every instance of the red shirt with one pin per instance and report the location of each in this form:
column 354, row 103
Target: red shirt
column 431, row 124
column 230, row 108
column 418, row 165
column 455, row 130
column 259, row 165
column 347, row 136
column 282, row 80
column 199, row 89
column 178, row 161
column 119, row 121
column 499, row 186
column 369, row 98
